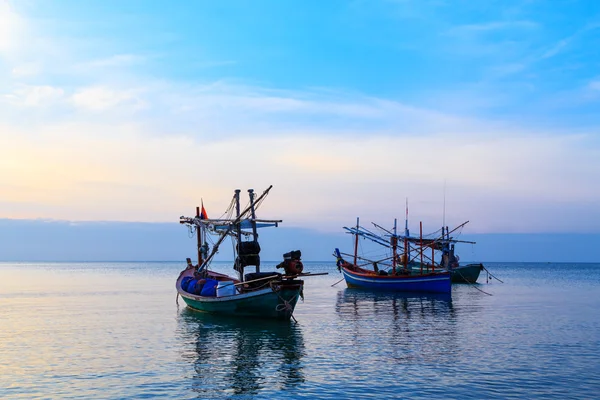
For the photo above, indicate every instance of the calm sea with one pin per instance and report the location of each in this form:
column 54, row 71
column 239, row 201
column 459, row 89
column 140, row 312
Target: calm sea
column 114, row 330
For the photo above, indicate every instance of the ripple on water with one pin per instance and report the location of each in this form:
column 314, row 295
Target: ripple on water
column 114, row 331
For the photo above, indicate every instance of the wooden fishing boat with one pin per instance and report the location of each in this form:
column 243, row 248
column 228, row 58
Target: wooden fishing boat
column 257, row 294
column 434, row 282
column 400, row 277
column 277, row 298
column 445, row 244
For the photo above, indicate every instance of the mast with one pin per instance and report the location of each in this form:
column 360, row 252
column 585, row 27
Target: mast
column 236, row 223
column 421, row 243
column 406, row 234
column 199, row 238
column 394, row 246
column 444, row 246
column 253, row 220
column 432, row 257
column 239, row 234
column 356, row 242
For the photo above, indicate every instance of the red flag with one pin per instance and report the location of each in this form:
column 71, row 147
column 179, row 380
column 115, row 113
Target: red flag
column 203, row 213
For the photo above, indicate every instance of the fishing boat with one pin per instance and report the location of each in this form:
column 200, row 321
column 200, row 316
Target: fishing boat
column 401, row 254
column 466, row 273
column 255, row 294
column 445, row 244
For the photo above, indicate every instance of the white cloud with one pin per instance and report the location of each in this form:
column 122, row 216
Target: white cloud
column 26, row 69
column 77, row 172
column 34, row 96
column 100, row 98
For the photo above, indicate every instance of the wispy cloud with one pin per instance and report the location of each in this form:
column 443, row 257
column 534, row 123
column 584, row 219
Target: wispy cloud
column 493, row 26
column 35, row 96
column 75, row 168
column 26, row 69
column 559, row 46
column 99, row 98
column 594, row 85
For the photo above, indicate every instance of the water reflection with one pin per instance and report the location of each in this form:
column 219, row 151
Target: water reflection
column 393, row 304
column 413, row 326
column 241, row 356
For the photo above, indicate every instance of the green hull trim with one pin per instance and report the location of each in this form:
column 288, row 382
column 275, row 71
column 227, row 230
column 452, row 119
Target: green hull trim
column 266, row 303
column 466, row 274
column 462, row 274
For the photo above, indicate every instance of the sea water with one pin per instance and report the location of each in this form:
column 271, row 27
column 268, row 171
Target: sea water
column 115, row 331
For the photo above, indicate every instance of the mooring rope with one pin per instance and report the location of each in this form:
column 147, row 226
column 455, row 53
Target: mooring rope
column 490, row 274
column 337, row 282
column 472, row 284
column 286, row 306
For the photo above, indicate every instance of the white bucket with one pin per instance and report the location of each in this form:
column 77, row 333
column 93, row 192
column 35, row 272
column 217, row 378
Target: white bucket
column 225, row 288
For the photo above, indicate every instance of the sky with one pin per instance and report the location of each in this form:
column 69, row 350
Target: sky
column 136, row 111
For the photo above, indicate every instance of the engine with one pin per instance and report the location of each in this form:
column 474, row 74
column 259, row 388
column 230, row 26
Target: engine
column 291, row 263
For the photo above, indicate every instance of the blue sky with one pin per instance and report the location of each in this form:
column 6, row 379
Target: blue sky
column 133, row 111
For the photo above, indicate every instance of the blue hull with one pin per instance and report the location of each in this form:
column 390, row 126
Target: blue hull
column 430, row 283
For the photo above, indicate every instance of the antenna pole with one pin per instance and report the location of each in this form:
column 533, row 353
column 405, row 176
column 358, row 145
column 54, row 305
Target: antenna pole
column 444, row 214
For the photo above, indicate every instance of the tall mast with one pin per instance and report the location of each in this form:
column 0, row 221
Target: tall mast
column 406, row 219
column 356, row 242
column 199, row 238
column 394, row 247
column 253, row 220
column 238, row 228
column 421, row 243
column 406, row 234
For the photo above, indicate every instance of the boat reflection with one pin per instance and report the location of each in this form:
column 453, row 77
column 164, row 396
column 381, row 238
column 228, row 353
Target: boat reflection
column 241, row 356
column 416, row 327
column 357, row 301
